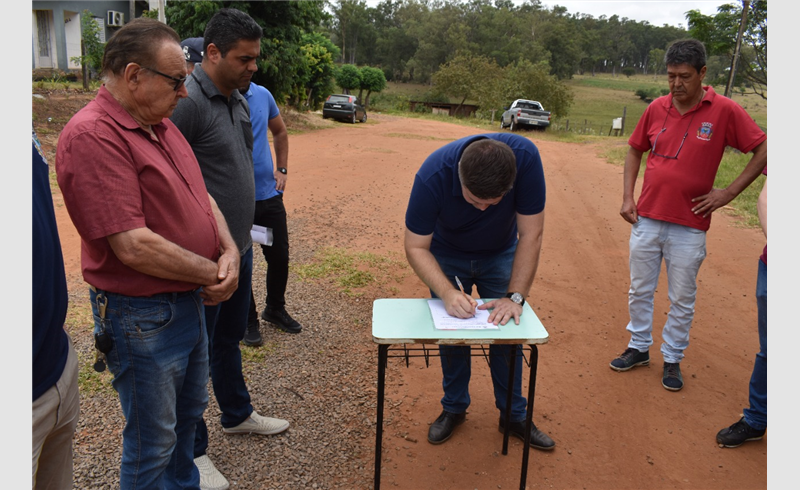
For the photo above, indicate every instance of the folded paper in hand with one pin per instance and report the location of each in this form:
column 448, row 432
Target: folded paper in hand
column 262, row 235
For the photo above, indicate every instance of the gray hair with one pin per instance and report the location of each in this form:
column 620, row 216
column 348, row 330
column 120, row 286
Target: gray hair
column 688, row 51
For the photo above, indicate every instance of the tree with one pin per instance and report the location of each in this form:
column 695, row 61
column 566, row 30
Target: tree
column 719, row 33
column 351, row 20
column 460, row 77
column 372, row 80
column 656, row 58
column 314, row 77
column 283, row 24
column 348, row 77
column 525, row 80
column 91, row 47
column 561, row 37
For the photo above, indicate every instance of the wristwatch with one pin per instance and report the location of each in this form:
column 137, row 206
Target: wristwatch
column 516, row 298
column 282, row 170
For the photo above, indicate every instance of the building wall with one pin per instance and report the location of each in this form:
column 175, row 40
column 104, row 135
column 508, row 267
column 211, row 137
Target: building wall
column 66, row 26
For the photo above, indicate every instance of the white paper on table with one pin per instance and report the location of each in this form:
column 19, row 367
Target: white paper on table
column 262, row 235
column 443, row 321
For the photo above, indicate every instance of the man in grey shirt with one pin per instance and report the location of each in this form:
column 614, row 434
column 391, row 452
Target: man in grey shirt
column 215, row 119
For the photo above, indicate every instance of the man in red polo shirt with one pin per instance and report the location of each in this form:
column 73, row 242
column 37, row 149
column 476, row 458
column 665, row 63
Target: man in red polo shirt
column 154, row 249
column 686, row 132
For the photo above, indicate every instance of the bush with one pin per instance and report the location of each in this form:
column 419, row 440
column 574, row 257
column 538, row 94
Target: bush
column 629, row 71
column 650, row 94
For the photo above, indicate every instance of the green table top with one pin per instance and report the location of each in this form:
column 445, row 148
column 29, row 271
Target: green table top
column 409, row 321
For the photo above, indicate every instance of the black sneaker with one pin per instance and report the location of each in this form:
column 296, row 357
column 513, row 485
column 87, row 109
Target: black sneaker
column 738, row 434
column 281, row 319
column 252, row 336
column 672, row 379
column 630, row 359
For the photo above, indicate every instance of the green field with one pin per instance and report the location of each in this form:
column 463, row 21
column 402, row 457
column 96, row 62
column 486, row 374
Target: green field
column 598, row 100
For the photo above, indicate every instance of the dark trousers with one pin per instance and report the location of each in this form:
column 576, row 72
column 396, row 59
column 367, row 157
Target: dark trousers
column 226, row 324
column 756, row 414
column 272, row 214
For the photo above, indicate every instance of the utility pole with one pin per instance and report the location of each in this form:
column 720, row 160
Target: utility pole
column 734, row 62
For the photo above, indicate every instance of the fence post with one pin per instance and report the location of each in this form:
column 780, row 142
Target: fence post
column 624, row 113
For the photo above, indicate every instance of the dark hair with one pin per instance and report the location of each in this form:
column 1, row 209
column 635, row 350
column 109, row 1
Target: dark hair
column 487, row 168
column 228, row 27
column 137, row 42
column 689, row 51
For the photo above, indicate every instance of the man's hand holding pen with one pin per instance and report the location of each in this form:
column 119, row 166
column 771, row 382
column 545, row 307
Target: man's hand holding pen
column 459, row 304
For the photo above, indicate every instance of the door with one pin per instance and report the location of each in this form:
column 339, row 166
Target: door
column 44, row 21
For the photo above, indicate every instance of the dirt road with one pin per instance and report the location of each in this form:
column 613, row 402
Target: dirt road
column 350, row 185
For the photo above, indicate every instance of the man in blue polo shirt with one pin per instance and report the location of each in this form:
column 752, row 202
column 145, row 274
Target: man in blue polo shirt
column 270, row 182
column 476, row 211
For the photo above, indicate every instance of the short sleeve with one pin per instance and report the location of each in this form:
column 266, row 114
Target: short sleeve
column 423, row 209
column 100, row 185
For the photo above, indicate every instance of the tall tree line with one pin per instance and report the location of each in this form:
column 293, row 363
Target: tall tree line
column 411, row 39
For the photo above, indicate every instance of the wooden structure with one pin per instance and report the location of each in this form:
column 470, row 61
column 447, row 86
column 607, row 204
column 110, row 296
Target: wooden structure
column 452, row 110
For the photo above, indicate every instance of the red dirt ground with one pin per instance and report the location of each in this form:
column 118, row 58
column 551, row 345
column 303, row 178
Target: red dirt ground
column 612, row 430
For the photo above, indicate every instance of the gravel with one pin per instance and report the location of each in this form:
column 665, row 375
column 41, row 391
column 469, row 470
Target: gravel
column 322, row 380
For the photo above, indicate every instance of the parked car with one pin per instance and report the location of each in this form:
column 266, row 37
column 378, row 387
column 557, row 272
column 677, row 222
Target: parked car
column 525, row 114
column 345, row 108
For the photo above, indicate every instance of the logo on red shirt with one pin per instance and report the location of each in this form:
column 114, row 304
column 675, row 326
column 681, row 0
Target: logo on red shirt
column 705, row 131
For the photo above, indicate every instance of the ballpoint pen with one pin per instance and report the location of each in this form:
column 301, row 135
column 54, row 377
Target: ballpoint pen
column 461, row 287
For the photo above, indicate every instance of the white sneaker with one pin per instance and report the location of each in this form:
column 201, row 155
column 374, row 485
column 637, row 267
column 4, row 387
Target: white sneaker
column 210, row 477
column 257, row 424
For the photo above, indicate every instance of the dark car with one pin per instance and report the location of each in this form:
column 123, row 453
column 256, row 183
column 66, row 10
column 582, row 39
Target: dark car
column 344, row 107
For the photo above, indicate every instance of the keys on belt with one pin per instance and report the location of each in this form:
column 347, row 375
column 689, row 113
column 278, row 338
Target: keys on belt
column 102, row 340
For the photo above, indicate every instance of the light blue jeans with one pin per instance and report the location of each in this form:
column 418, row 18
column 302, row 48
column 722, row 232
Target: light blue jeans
column 159, row 360
column 683, row 250
column 491, row 277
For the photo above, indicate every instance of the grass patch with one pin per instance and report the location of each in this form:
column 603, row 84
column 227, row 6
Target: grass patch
column 352, row 272
column 257, row 355
column 744, row 205
column 90, row 382
column 417, row 137
column 615, row 155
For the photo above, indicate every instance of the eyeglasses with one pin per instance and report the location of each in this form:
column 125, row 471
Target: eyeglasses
column 664, row 128
column 178, row 81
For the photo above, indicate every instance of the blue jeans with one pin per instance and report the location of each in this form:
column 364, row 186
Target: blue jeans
column 756, row 415
column 683, row 249
column 159, row 360
column 491, row 277
column 226, row 324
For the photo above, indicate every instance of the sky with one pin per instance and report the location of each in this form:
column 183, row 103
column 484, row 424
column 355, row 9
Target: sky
column 656, row 12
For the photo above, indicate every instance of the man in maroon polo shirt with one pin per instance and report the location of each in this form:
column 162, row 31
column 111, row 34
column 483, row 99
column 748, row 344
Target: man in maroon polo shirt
column 154, row 249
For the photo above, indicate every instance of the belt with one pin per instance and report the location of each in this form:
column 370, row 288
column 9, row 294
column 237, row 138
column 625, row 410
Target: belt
column 174, row 295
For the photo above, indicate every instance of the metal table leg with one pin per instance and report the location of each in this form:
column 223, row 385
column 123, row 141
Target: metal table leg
column 383, row 351
column 512, row 367
column 529, row 416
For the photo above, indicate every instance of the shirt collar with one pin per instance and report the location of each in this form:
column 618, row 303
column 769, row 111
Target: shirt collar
column 207, row 85
column 708, row 97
